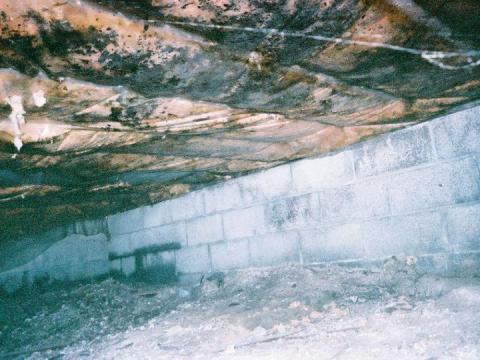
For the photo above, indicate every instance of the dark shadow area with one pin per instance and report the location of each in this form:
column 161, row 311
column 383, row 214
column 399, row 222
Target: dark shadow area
column 140, row 252
column 82, row 310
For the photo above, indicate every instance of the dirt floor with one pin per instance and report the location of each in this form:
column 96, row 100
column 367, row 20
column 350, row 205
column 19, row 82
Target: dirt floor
column 288, row 312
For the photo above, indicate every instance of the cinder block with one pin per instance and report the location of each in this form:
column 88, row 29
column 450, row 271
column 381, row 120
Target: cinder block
column 170, row 233
column 437, row 185
column 398, row 150
column 128, row 265
column 222, row 197
column 156, row 215
column 416, row 234
column 328, row 171
column 143, row 238
column 274, row 249
column 126, row 222
column 464, row 228
column 358, row 201
column 436, row 264
column 120, row 244
column 292, row 212
column 464, row 264
column 188, row 206
column 265, row 185
column 230, row 255
column 244, row 222
column 73, row 249
column 193, row 260
column 205, row 229
column 342, row 242
column 159, row 259
column 97, row 247
column 184, row 207
column 458, row 133
column 72, row 258
column 115, row 265
column 88, row 227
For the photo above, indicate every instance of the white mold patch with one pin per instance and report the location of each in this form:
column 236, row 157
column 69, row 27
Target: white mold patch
column 39, row 98
column 16, row 118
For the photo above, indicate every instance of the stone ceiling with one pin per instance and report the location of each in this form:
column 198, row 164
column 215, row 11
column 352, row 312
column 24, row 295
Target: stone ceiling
column 107, row 105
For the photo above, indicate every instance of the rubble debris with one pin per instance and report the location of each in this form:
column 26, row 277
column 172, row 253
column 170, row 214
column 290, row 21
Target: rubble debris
column 332, row 312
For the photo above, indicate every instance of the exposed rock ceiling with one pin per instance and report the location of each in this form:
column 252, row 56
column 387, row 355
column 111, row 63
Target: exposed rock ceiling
column 108, row 105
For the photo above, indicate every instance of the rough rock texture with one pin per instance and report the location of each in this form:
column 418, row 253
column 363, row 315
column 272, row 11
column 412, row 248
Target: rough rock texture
column 108, row 105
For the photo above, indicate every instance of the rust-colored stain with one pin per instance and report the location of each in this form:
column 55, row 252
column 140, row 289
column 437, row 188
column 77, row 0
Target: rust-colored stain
column 125, row 103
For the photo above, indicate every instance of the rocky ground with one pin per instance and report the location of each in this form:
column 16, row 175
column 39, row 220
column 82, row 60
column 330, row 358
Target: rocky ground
column 289, row 312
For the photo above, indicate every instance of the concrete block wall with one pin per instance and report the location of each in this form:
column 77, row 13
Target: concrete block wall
column 411, row 192
column 71, row 258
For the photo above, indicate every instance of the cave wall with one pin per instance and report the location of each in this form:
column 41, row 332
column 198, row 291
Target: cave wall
column 413, row 192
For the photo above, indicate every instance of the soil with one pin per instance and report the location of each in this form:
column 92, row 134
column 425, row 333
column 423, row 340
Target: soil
column 287, row 312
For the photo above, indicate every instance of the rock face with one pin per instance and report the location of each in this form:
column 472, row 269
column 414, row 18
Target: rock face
column 107, row 105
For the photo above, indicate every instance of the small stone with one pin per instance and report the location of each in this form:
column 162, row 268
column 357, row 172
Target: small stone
column 259, row 331
column 230, row 349
column 306, row 320
column 279, row 328
column 315, row 315
column 182, row 293
column 333, row 309
column 411, row 260
column 295, row 305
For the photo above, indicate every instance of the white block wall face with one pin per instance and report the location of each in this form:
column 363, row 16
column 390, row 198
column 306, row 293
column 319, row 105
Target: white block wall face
column 413, row 192
column 68, row 257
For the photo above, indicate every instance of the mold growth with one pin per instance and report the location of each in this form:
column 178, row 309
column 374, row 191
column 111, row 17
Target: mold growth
column 39, row 98
column 17, row 119
column 17, row 115
column 436, row 58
